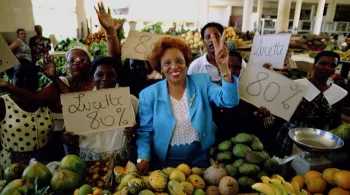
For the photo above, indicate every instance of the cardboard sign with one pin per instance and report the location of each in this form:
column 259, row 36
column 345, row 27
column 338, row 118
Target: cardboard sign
column 269, row 49
column 262, row 87
column 92, row 111
column 7, row 58
column 139, row 44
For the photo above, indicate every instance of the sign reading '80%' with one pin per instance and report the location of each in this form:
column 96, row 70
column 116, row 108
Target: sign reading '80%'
column 262, row 87
column 139, row 44
column 7, row 59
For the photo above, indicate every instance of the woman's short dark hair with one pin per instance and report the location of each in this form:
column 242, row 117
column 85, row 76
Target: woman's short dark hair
column 18, row 30
column 105, row 60
column 212, row 24
column 164, row 43
column 234, row 53
column 327, row 53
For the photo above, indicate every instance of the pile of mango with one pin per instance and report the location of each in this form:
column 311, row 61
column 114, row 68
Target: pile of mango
column 244, row 158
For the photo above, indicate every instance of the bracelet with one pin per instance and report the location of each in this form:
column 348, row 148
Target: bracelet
column 110, row 36
column 225, row 75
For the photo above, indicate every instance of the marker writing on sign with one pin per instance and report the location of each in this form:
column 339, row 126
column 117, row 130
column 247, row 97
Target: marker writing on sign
column 274, row 50
column 108, row 101
column 141, row 47
column 96, row 119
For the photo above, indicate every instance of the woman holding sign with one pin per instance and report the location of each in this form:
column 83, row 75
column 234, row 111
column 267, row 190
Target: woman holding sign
column 322, row 102
column 175, row 115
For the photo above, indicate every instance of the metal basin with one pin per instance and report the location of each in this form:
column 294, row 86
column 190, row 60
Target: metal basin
column 315, row 141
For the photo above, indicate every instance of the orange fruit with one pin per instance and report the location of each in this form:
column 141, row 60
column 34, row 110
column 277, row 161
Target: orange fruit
column 342, row 179
column 185, row 169
column 316, row 185
column 328, row 175
column 311, row 174
column 338, row 191
column 300, row 180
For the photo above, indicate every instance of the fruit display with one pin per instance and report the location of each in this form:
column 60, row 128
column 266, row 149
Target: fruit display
column 154, row 28
column 95, row 37
column 232, row 39
column 244, row 158
column 194, row 41
column 98, row 174
column 181, row 180
column 344, row 56
column 312, row 42
column 331, row 181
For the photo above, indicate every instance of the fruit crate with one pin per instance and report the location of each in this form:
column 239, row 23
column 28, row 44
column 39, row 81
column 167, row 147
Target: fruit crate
column 105, row 173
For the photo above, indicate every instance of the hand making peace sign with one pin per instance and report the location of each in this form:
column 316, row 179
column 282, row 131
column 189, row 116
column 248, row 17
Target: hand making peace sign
column 221, row 56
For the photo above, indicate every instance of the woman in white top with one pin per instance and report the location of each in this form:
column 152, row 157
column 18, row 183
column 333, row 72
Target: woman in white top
column 19, row 47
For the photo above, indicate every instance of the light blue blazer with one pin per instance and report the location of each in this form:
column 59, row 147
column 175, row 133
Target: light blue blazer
column 157, row 120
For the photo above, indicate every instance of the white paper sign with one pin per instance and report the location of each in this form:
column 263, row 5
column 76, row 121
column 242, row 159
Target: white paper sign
column 139, row 44
column 279, row 94
column 7, row 59
column 92, row 111
column 269, row 49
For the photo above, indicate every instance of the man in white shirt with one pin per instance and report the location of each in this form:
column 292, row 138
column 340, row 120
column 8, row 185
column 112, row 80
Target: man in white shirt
column 207, row 63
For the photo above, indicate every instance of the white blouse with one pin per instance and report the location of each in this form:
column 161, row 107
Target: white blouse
column 184, row 132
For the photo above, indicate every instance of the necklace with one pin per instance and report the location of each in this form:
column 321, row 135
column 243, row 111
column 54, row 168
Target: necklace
column 86, row 87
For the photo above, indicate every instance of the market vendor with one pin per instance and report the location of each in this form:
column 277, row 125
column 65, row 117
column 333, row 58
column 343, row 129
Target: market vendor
column 175, row 115
column 206, row 63
column 39, row 44
column 103, row 144
column 25, row 127
column 322, row 102
column 19, row 47
column 243, row 118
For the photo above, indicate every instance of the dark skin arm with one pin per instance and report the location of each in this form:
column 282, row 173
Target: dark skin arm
column 111, row 28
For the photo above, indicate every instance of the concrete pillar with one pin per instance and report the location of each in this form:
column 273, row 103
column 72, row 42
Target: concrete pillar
column 319, row 16
column 247, row 15
column 297, row 16
column 259, row 10
column 81, row 18
column 312, row 13
column 283, row 15
column 331, row 12
column 228, row 13
column 203, row 12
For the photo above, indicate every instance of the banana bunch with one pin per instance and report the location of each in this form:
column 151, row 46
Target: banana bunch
column 278, row 186
column 230, row 34
column 345, row 56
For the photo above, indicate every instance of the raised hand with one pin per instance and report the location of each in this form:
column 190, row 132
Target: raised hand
column 49, row 67
column 105, row 19
column 221, row 52
column 118, row 24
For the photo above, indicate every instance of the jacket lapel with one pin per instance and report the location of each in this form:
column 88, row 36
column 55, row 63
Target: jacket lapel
column 192, row 96
column 164, row 100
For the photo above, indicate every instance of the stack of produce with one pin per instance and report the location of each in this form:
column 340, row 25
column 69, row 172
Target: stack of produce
column 95, row 37
column 332, row 182
column 154, row 28
column 64, row 44
column 194, row 41
column 175, row 181
column 98, row 177
column 61, row 178
column 312, row 42
column 232, row 40
column 243, row 157
column 344, row 56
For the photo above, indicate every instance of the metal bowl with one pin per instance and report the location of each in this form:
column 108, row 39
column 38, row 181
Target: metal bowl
column 315, row 141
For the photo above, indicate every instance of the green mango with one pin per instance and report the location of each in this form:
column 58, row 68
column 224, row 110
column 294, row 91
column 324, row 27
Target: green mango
column 225, row 145
column 240, row 150
column 246, row 182
column 231, row 170
column 257, row 145
column 238, row 163
column 199, row 192
column 254, row 157
column 248, row 169
column 243, row 138
column 224, row 156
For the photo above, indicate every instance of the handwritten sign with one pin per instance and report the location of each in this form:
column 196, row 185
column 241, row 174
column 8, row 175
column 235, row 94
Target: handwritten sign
column 269, row 49
column 139, row 44
column 262, row 87
column 100, row 110
column 7, row 59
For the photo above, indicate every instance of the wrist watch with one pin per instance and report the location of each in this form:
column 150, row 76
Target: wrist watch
column 142, row 159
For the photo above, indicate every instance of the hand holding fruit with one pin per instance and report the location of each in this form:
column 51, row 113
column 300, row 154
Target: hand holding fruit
column 143, row 167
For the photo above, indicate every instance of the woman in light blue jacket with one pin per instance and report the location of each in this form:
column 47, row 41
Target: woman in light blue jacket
column 176, row 123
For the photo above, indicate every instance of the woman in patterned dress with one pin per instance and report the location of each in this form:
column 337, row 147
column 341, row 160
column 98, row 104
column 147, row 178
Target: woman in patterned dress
column 25, row 127
column 175, row 115
column 19, row 47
